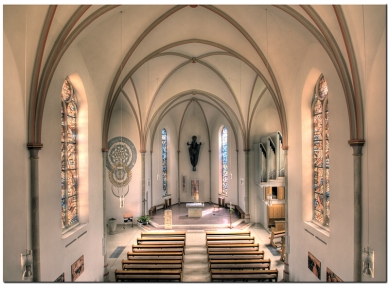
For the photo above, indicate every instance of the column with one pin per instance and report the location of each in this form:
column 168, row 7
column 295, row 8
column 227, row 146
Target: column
column 357, row 146
column 143, row 165
column 179, row 178
column 287, row 245
column 151, row 179
column 210, row 178
column 237, row 176
column 34, row 186
column 246, row 187
column 106, row 271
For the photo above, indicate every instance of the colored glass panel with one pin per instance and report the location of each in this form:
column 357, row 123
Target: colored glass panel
column 318, row 127
column 164, row 163
column 66, row 90
column 224, row 155
column 71, row 158
column 68, row 157
column 323, row 89
column 321, row 155
column 71, row 109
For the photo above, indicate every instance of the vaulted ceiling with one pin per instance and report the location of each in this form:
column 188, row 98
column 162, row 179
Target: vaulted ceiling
column 234, row 60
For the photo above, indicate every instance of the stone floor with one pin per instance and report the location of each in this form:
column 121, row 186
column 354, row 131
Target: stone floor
column 212, row 219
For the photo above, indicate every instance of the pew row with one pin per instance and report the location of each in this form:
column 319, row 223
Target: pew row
column 147, row 275
column 227, row 233
column 234, row 275
column 240, row 264
column 229, row 239
column 232, row 246
column 236, row 255
column 165, row 264
column 276, row 235
column 155, row 255
column 163, row 234
column 157, row 247
column 161, row 240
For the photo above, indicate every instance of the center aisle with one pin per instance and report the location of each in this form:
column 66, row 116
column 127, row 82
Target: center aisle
column 195, row 268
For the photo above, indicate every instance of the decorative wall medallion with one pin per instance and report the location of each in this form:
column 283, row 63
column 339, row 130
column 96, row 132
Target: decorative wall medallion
column 121, row 159
column 121, row 150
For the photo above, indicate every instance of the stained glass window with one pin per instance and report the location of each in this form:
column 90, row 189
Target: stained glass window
column 224, row 154
column 68, row 156
column 321, row 155
column 164, row 163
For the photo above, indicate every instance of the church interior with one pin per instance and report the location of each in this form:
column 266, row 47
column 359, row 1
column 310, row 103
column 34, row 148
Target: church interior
column 187, row 121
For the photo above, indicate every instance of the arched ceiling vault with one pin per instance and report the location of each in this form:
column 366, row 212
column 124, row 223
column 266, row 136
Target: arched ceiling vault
column 219, row 52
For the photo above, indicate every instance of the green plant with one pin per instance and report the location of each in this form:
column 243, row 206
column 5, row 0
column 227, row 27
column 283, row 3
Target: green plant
column 143, row 219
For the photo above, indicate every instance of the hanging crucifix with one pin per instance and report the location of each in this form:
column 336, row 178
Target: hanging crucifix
column 194, row 150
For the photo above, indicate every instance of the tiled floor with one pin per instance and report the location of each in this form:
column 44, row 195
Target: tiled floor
column 211, row 220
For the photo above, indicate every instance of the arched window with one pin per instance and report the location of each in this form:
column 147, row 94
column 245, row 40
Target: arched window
column 224, row 160
column 69, row 157
column 164, row 163
column 321, row 155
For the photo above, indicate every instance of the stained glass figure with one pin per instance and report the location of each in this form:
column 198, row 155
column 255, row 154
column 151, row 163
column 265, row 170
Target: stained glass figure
column 68, row 156
column 321, row 155
column 164, row 163
column 224, row 154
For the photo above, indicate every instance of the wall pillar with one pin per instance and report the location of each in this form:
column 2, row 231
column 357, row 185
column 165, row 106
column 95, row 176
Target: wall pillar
column 237, row 177
column 179, row 178
column 34, row 187
column 247, row 186
column 151, row 179
column 143, row 166
column 357, row 146
column 287, row 244
column 210, row 178
column 106, row 271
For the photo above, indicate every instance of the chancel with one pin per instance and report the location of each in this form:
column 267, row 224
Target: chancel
column 194, row 143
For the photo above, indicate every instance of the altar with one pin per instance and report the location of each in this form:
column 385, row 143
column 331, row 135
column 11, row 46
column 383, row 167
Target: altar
column 195, row 210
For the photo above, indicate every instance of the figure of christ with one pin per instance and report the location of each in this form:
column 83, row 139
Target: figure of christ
column 194, row 150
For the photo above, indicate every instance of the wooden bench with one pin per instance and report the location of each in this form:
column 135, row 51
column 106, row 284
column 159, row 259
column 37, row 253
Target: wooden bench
column 240, row 264
column 163, row 234
column 152, row 264
column 274, row 235
column 227, row 233
column 155, row 255
column 236, row 255
column 147, row 275
column 158, row 247
column 233, row 275
column 161, row 240
column 241, row 212
column 240, row 239
column 152, row 210
column 232, row 246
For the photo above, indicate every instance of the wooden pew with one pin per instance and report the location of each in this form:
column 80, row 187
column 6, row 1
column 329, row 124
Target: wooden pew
column 241, row 212
column 147, row 275
column 236, row 255
column 160, row 206
column 152, row 210
column 177, row 255
column 232, row 246
column 229, row 239
column 240, row 264
column 227, row 233
column 233, row 275
column 165, row 264
column 157, row 247
column 275, row 235
column 163, row 234
column 161, row 240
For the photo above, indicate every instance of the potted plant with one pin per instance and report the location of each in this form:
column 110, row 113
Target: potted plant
column 144, row 220
column 112, row 226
